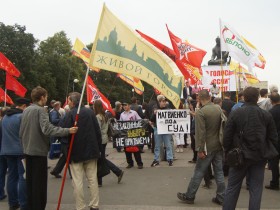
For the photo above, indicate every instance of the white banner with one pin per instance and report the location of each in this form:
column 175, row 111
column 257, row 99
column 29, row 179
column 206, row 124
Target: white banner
column 214, row 73
column 173, row 121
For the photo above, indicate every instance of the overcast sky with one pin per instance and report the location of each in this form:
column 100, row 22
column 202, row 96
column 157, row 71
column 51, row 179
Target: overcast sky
column 194, row 20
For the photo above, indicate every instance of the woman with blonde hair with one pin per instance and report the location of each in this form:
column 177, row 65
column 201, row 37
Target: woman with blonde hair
column 103, row 122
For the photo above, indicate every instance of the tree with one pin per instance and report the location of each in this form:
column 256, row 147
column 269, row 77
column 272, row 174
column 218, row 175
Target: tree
column 18, row 46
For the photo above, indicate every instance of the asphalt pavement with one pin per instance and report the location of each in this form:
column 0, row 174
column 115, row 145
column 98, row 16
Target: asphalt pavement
column 150, row 188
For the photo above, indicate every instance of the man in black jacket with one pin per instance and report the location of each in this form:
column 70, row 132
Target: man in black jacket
column 85, row 152
column 274, row 163
column 259, row 131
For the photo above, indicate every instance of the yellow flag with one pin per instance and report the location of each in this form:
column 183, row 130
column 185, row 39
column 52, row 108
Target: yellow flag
column 119, row 49
column 81, row 51
column 243, row 73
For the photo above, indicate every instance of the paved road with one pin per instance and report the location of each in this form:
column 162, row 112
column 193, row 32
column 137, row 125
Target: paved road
column 150, row 188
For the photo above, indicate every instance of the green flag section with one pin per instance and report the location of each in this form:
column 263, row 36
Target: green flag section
column 119, row 49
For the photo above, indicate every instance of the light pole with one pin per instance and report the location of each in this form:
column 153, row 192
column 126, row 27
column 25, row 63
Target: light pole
column 132, row 92
column 75, row 81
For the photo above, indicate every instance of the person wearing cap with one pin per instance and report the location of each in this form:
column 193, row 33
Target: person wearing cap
column 13, row 152
column 35, row 128
column 161, row 138
column 131, row 115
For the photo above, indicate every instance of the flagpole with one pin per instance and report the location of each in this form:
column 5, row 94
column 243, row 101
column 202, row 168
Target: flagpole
column 71, row 142
column 222, row 86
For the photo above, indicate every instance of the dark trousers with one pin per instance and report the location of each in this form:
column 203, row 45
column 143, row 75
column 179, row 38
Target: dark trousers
column 62, row 160
column 3, row 171
column 37, row 181
column 235, row 178
column 193, row 147
column 137, row 156
column 111, row 165
column 274, row 166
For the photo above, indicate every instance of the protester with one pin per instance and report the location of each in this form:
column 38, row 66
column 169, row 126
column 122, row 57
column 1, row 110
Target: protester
column 35, row 128
column 274, row 163
column 131, row 115
column 179, row 137
column 118, row 110
column 85, row 152
column 136, row 107
column 3, row 160
column 227, row 104
column 13, row 152
column 264, row 102
column 195, row 89
column 103, row 122
column 161, row 138
column 240, row 102
column 187, row 91
column 214, row 90
column 209, row 148
column 251, row 129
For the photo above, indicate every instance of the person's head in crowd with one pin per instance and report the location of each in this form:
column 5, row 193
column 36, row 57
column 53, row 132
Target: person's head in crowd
column 39, row 96
column 133, row 100
column 273, row 88
column 161, row 101
column 264, row 93
column 187, row 83
column 57, row 105
column 227, row 95
column 73, row 99
column 251, row 95
column 98, row 107
column 4, row 111
column 194, row 96
column 275, row 98
column 126, row 106
column 204, row 97
column 22, row 103
column 214, row 83
column 118, row 106
column 218, row 101
column 241, row 96
column 52, row 103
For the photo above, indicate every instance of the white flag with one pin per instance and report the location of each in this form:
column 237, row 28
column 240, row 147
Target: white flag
column 232, row 42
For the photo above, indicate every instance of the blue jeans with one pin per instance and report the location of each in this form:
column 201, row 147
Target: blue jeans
column 3, row 171
column 216, row 158
column 16, row 184
column 159, row 139
column 235, row 178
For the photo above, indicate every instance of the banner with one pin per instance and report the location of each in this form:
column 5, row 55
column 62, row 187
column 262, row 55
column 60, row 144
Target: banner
column 130, row 133
column 226, row 77
column 94, row 94
column 14, row 85
column 173, row 121
column 119, row 49
column 8, row 66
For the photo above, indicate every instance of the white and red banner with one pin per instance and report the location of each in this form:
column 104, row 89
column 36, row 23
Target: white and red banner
column 225, row 76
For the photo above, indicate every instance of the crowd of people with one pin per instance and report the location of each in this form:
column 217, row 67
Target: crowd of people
column 29, row 128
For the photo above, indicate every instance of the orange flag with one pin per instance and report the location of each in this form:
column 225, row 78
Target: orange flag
column 7, row 65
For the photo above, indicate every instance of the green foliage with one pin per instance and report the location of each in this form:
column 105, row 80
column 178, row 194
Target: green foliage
column 50, row 64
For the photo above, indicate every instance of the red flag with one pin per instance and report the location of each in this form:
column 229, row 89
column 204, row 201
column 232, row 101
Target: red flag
column 187, row 70
column 2, row 97
column 185, row 51
column 14, row 85
column 94, row 94
column 7, row 65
